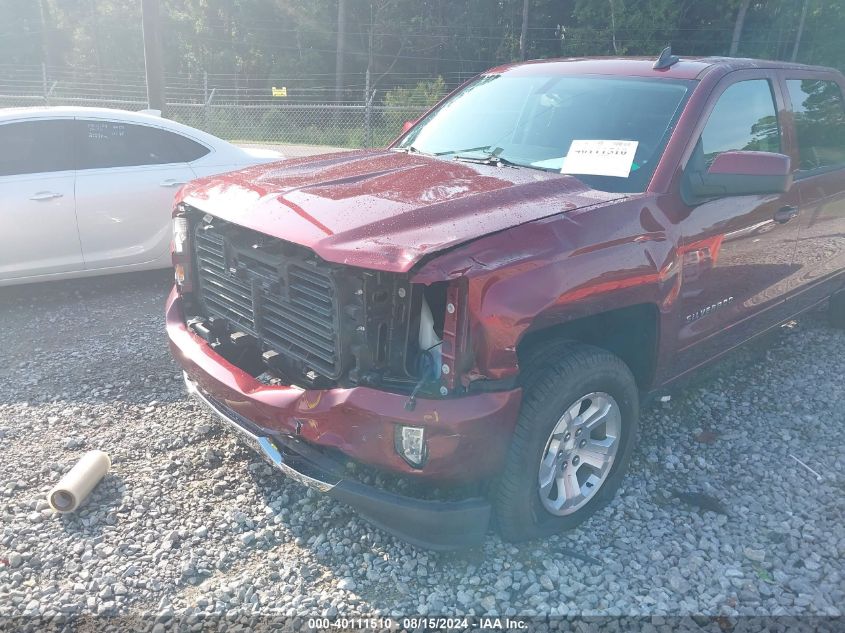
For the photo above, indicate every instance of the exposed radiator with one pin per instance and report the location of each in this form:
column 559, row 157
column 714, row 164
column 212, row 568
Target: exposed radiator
column 287, row 301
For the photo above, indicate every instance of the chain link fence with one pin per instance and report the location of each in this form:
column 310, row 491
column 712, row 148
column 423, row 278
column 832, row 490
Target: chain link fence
column 335, row 124
column 307, row 116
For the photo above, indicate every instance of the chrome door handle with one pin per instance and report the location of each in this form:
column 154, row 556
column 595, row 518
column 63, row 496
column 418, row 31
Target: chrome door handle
column 170, row 182
column 46, row 195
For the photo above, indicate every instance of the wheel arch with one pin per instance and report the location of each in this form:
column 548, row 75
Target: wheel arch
column 631, row 333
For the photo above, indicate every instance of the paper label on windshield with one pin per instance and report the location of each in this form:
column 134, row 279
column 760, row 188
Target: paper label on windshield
column 600, row 158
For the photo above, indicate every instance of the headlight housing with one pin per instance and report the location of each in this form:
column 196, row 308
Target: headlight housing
column 180, row 234
column 455, row 337
column 179, row 249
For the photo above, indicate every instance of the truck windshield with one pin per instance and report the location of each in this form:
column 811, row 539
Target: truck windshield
column 607, row 131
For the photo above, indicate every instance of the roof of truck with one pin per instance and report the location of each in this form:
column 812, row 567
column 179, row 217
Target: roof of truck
column 685, row 68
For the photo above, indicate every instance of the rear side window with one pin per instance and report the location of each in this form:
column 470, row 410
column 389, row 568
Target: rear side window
column 117, row 144
column 819, row 122
column 34, row 147
column 744, row 118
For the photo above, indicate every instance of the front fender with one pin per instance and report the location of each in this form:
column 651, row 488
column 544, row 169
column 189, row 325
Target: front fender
column 552, row 271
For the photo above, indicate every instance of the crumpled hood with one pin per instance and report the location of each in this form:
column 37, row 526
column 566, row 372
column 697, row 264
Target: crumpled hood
column 385, row 210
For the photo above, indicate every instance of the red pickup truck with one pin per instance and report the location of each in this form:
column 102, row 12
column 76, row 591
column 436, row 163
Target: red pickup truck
column 484, row 303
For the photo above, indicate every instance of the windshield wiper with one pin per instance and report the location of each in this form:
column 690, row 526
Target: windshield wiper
column 410, row 149
column 461, row 151
column 488, row 159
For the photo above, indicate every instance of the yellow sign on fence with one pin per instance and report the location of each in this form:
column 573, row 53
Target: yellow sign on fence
column 280, row 92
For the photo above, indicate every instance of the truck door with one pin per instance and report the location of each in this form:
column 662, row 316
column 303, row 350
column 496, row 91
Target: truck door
column 736, row 251
column 818, row 115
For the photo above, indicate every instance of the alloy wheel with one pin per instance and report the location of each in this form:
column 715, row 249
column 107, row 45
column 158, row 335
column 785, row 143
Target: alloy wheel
column 579, row 453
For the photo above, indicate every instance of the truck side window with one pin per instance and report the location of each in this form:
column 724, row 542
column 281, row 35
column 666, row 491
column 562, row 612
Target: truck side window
column 819, row 122
column 745, row 118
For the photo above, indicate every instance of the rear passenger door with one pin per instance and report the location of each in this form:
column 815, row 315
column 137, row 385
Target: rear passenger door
column 128, row 176
column 38, row 234
column 818, row 115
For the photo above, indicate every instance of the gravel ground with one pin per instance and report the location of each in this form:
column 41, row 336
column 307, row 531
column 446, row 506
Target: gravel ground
column 190, row 523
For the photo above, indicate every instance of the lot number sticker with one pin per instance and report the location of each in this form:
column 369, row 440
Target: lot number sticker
column 600, row 158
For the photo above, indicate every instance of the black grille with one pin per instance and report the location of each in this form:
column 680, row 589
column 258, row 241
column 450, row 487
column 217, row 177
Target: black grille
column 287, row 300
column 224, row 294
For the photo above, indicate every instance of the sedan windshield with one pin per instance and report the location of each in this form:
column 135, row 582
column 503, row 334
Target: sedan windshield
column 608, row 131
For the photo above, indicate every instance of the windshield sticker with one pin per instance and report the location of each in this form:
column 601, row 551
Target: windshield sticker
column 600, row 158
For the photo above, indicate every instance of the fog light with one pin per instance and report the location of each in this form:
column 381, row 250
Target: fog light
column 410, row 444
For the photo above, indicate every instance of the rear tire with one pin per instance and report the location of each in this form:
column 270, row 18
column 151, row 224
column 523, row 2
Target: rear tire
column 572, row 443
column 837, row 310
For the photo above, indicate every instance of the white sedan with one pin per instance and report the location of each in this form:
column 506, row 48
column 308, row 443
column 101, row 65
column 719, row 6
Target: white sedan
column 88, row 191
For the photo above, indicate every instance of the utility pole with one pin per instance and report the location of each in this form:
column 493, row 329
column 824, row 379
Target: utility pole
column 368, row 136
column 341, row 50
column 613, row 27
column 800, row 30
column 46, row 32
column 370, row 38
column 523, row 35
column 740, row 21
column 151, row 27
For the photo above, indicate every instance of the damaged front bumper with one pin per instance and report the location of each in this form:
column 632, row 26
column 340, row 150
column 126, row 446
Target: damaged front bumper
column 439, row 525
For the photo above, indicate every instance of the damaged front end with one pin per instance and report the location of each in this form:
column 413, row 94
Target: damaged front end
column 325, row 369
column 432, row 524
column 285, row 316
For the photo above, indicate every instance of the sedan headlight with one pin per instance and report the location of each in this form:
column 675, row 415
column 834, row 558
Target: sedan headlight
column 179, row 249
column 180, row 233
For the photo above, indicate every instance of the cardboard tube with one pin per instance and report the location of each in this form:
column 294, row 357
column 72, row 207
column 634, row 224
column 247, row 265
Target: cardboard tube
column 78, row 483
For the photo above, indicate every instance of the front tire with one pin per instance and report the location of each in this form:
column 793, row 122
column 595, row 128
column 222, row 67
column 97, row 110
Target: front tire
column 572, row 443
